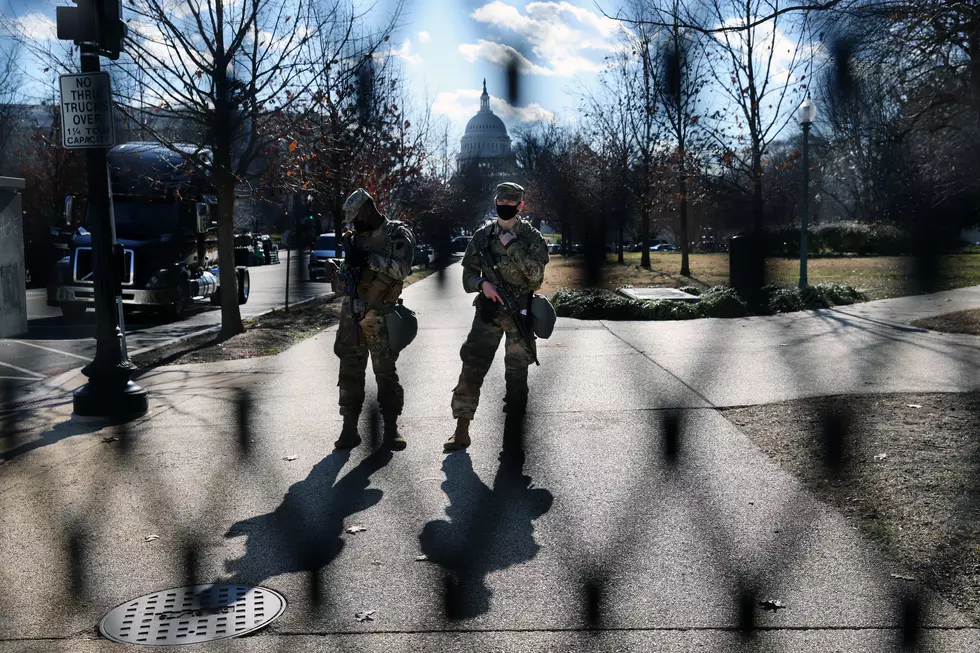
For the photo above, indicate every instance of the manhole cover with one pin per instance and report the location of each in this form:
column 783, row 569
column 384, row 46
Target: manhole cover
column 188, row 615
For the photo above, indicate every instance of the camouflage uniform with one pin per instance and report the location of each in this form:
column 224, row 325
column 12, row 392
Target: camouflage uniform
column 521, row 265
column 391, row 247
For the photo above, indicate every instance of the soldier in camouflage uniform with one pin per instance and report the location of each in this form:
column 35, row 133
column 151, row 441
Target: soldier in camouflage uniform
column 383, row 252
column 521, row 254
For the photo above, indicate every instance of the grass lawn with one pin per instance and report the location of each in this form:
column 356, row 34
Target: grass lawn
column 878, row 277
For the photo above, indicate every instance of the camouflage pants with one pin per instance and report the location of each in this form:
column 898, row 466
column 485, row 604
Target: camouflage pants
column 353, row 354
column 477, row 354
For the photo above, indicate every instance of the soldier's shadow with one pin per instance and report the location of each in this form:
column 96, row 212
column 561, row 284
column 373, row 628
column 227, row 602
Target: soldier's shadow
column 487, row 529
column 303, row 534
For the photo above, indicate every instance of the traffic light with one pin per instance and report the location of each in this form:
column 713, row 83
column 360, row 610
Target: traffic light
column 93, row 21
column 112, row 29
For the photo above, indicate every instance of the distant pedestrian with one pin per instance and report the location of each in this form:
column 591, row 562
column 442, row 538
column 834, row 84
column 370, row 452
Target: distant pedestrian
column 520, row 254
column 380, row 258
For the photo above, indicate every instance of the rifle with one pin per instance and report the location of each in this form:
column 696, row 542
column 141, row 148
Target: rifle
column 511, row 304
column 352, row 277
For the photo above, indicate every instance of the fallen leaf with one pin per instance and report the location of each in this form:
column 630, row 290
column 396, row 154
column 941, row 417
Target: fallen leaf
column 355, row 529
column 365, row 616
column 773, row 605
column 290, row 458
column 901, row 577
column 111, row 438
column 881, row 456
column 150, row 538
column 914, row 405
column 421, row 558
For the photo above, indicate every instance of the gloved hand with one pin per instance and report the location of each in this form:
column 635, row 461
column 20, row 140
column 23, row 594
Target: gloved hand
column 354, row 256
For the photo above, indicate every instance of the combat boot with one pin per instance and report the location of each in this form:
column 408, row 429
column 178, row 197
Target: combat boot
column 393, row 438
column 349, row 437
column 461, row 438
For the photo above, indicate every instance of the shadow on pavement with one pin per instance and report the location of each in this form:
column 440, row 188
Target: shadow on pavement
column 63, row 328
column 304, row 533
column 488, row 529
column 13, row 446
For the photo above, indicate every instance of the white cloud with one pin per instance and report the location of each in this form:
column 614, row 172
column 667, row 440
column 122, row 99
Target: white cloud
column 567, row 39
column 424, row 37
column 404, row 51
column 499, row 54
column 463, row 104
column 37, row 27
column 153, row 40
column 788, row 56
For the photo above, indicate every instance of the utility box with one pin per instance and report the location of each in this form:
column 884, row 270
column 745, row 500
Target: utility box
column 13, row 273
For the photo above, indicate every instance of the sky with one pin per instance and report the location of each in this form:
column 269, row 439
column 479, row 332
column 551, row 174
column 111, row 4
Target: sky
column 446, row 48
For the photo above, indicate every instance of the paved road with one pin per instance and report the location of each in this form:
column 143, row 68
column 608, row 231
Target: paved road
column 55, row 344
column 668, row 541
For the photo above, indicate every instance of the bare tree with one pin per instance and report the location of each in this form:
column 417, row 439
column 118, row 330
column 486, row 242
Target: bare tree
column 11, row 112
column 762, row 84
column 609, row 110
column 642, row 71
column 685, row 77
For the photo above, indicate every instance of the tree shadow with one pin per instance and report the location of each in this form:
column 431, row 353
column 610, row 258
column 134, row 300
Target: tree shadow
column 15, row 442
column 303, row 534
column 488, row 529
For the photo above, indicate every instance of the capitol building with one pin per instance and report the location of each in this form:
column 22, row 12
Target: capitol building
column 485, row 143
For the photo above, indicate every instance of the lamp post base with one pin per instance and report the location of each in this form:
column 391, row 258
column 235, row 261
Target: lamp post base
column 111, row 400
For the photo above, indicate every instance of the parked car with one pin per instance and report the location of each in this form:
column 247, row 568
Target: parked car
column 554, row 248
column 459, row 244
column 269, row 249
column 664, row 247
column 324, row 249
column 423, row 254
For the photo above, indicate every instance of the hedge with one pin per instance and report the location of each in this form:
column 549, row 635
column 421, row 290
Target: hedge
column 717, row 302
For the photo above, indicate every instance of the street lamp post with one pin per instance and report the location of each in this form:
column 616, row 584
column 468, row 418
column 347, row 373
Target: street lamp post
column 806, row 114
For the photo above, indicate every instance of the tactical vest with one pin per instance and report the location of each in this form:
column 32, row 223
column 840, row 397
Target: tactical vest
column 378, row 290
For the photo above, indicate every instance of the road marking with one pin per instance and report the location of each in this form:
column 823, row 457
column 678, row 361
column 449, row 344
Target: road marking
column 22, row 370
column 56, row 351
column 18, row 378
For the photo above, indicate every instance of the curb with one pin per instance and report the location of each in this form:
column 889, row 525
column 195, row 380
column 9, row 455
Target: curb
column 51, row 386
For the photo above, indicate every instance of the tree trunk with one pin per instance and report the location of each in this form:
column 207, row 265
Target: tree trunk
column 621, row 237
column 758, row 204
column 685, row 240
column 231, row 316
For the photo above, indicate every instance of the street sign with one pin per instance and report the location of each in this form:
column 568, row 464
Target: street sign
column 86, row 111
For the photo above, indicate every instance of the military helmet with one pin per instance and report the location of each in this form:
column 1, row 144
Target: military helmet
column 543, row 316
column 354, row 203
column 510, row 191
column 402, row 327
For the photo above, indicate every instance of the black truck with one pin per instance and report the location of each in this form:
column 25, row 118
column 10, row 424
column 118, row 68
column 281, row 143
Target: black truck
column 163, row 207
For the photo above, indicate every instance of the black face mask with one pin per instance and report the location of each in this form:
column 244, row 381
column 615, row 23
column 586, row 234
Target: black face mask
column 506, row 212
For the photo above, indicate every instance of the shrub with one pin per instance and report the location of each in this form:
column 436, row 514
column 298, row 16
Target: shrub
column 719, row 301
column 837, row 294
column 783, row 300
column 722, row 301
column 691, row 290
column 596, row 304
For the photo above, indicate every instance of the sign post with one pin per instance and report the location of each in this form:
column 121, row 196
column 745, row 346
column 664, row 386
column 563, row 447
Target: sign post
column 86, row 123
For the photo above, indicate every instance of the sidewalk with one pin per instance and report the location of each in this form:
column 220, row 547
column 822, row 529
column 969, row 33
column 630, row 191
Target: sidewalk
column 670, row 543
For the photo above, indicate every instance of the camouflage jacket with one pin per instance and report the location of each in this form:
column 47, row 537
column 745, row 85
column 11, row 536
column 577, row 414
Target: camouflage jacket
column 390, row 248
column 521, row 263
